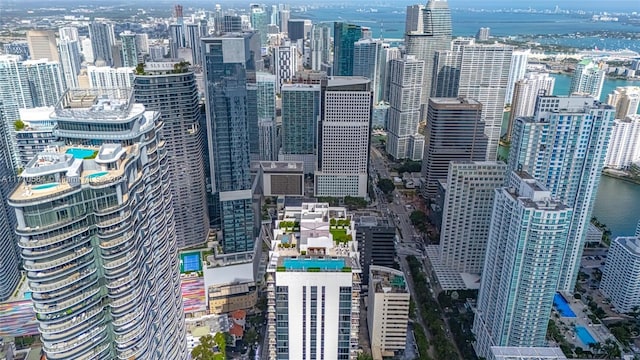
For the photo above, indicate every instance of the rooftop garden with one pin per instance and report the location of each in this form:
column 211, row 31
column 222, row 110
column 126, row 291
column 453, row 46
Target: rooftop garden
column 338, row 230
column 289, row 226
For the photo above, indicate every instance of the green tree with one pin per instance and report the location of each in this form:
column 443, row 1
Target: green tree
column 19, row 124
column 386, row 185
column 204, row 350
column 250, row 337
column 363, row 356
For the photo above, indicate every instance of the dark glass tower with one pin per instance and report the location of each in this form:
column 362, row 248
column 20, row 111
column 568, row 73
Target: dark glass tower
column 344, row 36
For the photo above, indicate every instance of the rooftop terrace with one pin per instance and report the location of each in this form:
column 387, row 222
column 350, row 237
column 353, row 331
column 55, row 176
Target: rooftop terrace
column 86, row 104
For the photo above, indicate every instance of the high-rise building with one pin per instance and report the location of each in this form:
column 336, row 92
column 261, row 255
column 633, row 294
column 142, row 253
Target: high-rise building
column 129, row 49
column 36, row 135
column 517, row 71
column 483, row 34
column 478, row 72
column 454, row 132
column 260, row 22
column 176, row 39
column 68, row 33
column 619, row 278
column 300, row 120
column 376, row 242
column 103, row 39
column 175, row 96
column 387, row 311
column 466, row 213
column 388, row 54
column 87, row 50
column 435, row 35
column 142, row 43
column 20, row 48
column 343, row 148
column 42, row 45
column 415, row 19
column 527, row 236
column 624, row 147
column 569, row 163
column 157, row 52
column 231, row 24
column 344, row 37
column 71, row 61
column 525, row 94
column 9, row 261
column 285, row 15
column 193, row 35
column 405, row 91
column 106, row 77
column 313, row 284
column 625, row 99
column 295, row 29
column 320, row 46
column 227, row 59
column 285, row 63
column 367, row 56
column 263, row 134
column 103, row 266
column 45, row 81
column 587, row 79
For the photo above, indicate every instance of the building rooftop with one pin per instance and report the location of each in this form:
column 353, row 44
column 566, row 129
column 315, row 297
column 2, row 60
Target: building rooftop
column 541, row 353
column 282, row 166
column 629, row 243
column 387, row 280
column 96, row 104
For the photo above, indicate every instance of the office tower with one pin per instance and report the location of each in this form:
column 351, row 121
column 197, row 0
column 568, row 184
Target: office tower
column 129, row 49
column 300, row 120
column 625, row 99
column 525, row 94
column 313, row 282
column 483, row 34
column 102, row 40
column 218, row 19
column 175, row 96
column 295, row 29
column 266, row 109
column 405, row 93
column 176, row 39
column 68, row 33
column 45, row 81
column 9, row 261
column 142, row 43
column 285, row 15
column 105, row 268
column 71, row 61
column 259, row 22
column 568, row 162
column 107, row 77
column 376, row 242
column 620, row 276
column 274, row 15
column 466, row 213
column 36, row 134
column 527, row 236
column 285, row 61
column 415, row 20
column 87, row 50
column 344, row 37
column 232, row 24
column 454, row 132
column 517, row 71
column 388, row 54
column 42, row 45
column 367, row 56
column 343, row 147
column 478, row 72
column 587, row 79
column 227, row 60
column 624, row 146
column 20, row 48
column 320, row 46
column 157, row 52
column 387, row 310
column 435, row 35
column 193, row 36
column 116, row 53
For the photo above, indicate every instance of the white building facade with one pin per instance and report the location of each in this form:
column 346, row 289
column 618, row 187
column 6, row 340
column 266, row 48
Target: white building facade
column 105, row 77
column 286, row 64
column 625, row 99
column 624, row 147
column 588, row 79
column 620, row 278
column 516, row 71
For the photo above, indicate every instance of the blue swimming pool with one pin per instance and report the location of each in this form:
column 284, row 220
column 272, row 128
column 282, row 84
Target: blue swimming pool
column 97, row 175
column 44, row 186
column 27, row 295
column 585, row 335
column 562, row 306
column 80, row 153
column 323, row 264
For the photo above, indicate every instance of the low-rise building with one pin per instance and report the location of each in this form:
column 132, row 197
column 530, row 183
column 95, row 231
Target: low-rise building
column 620, row 280
column 526, row 353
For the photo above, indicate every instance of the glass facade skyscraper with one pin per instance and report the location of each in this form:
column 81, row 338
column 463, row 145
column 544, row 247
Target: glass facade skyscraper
column 344, row 37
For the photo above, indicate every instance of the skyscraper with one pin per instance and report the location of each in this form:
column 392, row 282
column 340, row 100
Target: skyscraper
column 367, row 56
column 295, row 29
column 45, row 81
column 405, row 93
column 259, row 22
column 9, row 270
column 300, row 120
column 107, row 77
column 388, row 54
column 129, row 49
column 343, row 148
column 478, row 72
column 466, row 213
column 102, row 266
column 71, row 61
column 102, row 40
column 376, row 242
column 227, row 59
column 624, row 147
column 454, row 133
column 285, row 61
column 625, row 99
column 42, row 45
column 564, row 146
column 320, row 46
column 527, row 237
column 587, row 79
column 415, row 19
column 194, row 33
column 435, row 35
column 525, row 94
column 261, row 113
column 344, row 37
column 516, row 72
column 285, row 15
column 176, row 39
column 175, row 97
column 68, row 33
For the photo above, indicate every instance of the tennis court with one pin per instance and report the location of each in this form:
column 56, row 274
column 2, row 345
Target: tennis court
column 190, row 262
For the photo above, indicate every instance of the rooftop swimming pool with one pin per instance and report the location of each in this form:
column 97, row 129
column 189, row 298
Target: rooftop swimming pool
column 323, row 264
column 97, row 175
column 45, row 186
column 562, row 306
column 80, row 153
column 585, row 336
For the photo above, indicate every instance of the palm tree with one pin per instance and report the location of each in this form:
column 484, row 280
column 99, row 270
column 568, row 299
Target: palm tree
column 204, row 350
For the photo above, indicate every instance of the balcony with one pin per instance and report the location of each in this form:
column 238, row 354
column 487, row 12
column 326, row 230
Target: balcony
column 114, row 220
column 117, row 240
column 123, row 320
column 37, row 287
column 30, row 265
column 52, row 328
column 36, row 243
column 75, row 349
column 113, row 264
column 48, row 309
